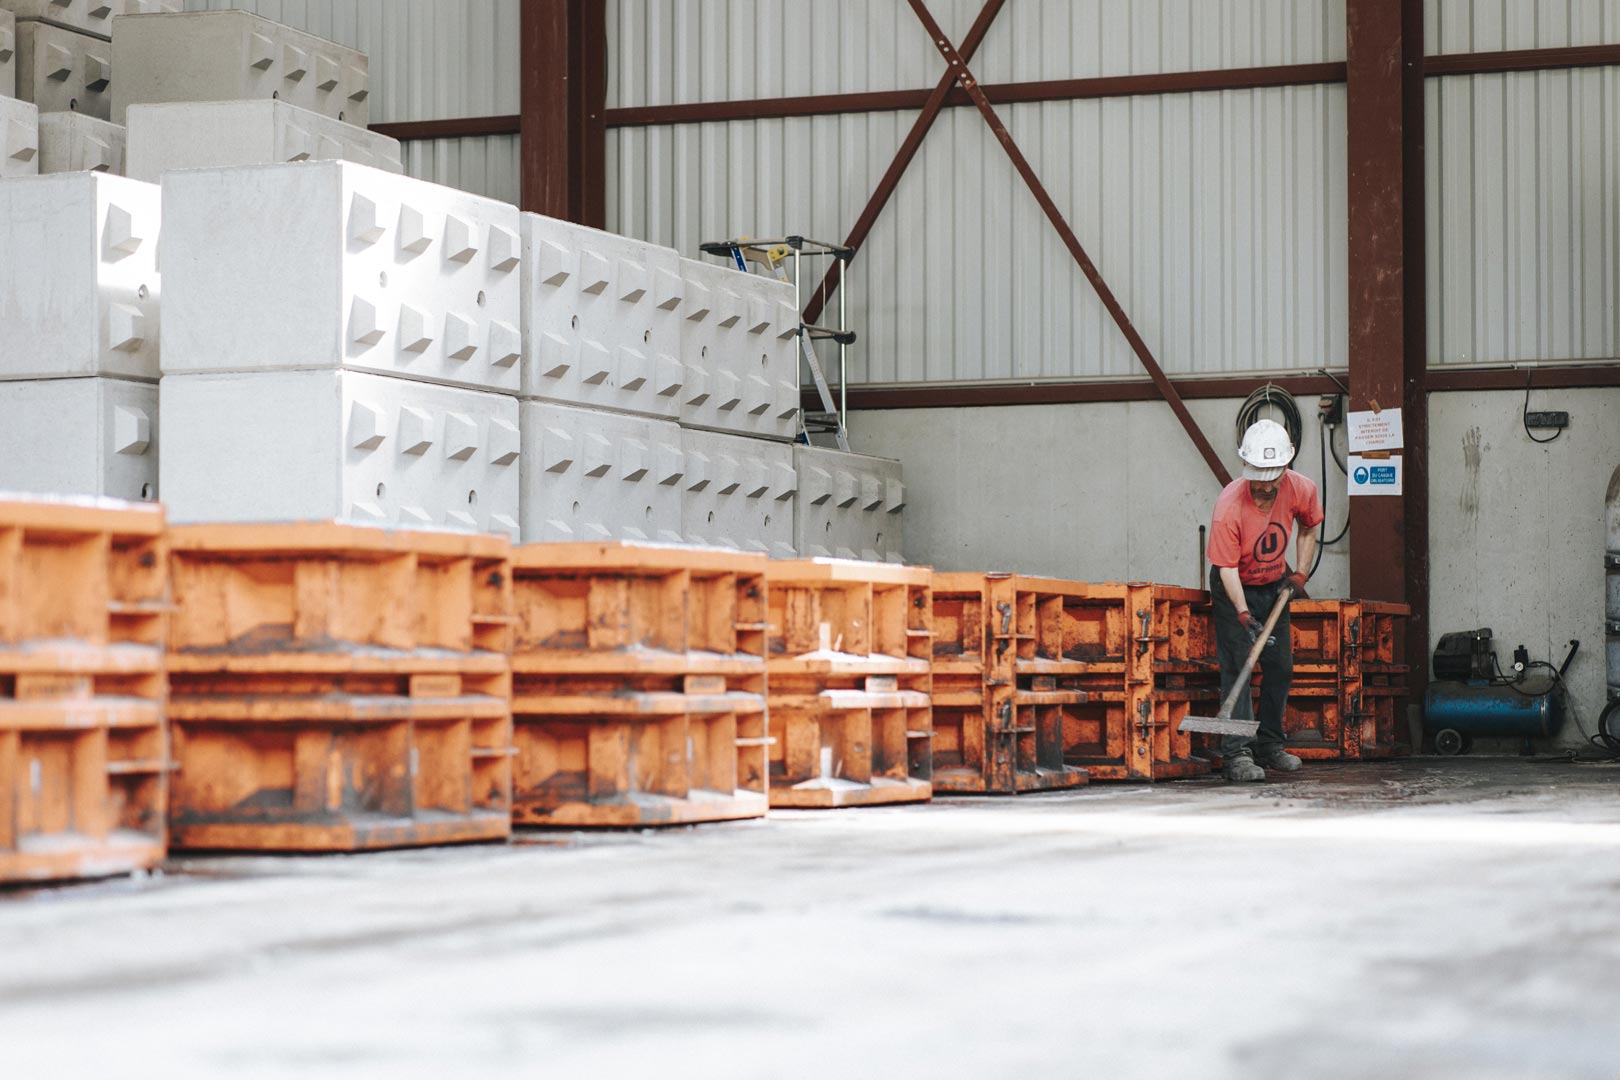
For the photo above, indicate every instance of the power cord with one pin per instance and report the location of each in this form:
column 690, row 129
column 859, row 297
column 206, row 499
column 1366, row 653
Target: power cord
column 1524, row 416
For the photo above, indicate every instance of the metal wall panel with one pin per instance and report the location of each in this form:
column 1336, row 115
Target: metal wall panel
column 1523, row 216
column 484, row 165
column 679, row 51
column 1218, row 219
column 1462, row 26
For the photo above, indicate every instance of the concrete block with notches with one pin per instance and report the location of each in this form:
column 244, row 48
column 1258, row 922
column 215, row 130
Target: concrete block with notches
column 74, row 142
column 218, row 134
column 63, row 70
column 8, row 54
column 739, row 349
column 232, row 55
column 737, row 492
column 593, row 475
column 336, row 265
column 601, row 319
column 339, row 445
column 85, row 16
column 19, row 139
column 848, row 506
column 94, row 436
column 78, row 277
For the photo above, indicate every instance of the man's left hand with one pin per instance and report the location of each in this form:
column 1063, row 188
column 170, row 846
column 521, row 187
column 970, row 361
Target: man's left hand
column 1297, row 580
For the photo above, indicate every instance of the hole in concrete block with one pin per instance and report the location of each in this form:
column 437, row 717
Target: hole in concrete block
column 146, row 491
column 480, row 298
column 73, row 105
column 382, row 279
column 764, row 359
column 576, row 507
column 646, row 336
column 472, row 498
column 275, row 95
column 711, row 517
column 574, row 322
column 382, row 489
column 142, row 293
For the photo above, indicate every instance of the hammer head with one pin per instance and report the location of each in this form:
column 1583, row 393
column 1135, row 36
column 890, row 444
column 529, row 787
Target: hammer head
column 1219, row 725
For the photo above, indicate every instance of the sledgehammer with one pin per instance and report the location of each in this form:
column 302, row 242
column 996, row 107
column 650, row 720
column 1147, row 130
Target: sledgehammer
column 1222, row 723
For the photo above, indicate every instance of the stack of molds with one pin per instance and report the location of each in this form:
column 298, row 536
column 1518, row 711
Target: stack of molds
column 341, row 343
column 79, row 327
column 847, row 506
column 215, row 134
column 234, row 56
column 74, row 142
column 602, row 383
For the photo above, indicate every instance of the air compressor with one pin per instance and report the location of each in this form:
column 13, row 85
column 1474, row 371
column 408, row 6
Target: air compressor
column 1472, row 697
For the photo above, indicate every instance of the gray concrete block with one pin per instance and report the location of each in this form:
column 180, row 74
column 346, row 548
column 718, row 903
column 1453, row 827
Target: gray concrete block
column 740, row 349
column 594, row 475
column 848, row 506
column 218, row 134
column 93, row 17
column 8, row 54
column 74, row 142
column 331, row 264
column 78, row 277
column 94, row 436
column 235, row 55
column 63, row 70
column 738, row 493
column 339, row 445
column 19, row 138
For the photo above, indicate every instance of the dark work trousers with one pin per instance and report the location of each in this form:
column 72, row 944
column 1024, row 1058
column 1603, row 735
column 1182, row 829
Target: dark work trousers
column 1276, row 664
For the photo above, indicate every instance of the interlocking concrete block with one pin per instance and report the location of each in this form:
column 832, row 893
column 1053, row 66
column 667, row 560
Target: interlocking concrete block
column 8, row 54
column 738, row 493
column 78, row 277
column 92, row 436
column 234, row 55
column 601, row 319
column 62, row 70
column 848, row 506
column 339, row 445
column 74, row 142
column 592, row 475
column 85, row 16
column 739, row 349
column 19, row 139
column 331, row 264
column 218, row 134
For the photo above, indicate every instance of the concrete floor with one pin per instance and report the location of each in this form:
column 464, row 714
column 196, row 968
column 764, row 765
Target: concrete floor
column 1423, row 918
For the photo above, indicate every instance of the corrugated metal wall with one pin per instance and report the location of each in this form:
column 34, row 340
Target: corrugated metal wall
column 1461, row 26
column 430, row 60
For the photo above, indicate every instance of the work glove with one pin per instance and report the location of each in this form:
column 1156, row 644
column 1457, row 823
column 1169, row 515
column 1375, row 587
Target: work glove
column 1251, row 626
column 1296, row 578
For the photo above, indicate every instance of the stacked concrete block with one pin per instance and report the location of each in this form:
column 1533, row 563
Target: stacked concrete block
column 93, row 17
column 340, row 343
column 232, row 56
column 8, row 54
column 739, row 348
column 848, row 506
column 79, row 322
column 19, row 138
column 593, row 475
column 63, row 70
column 216, row 134
column 74, row 142
column 738, row 493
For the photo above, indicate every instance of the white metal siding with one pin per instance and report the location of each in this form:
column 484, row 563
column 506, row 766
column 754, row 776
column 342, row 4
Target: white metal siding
column 663, row 52
column 1217, row 218
column 1461, row 26
column 1523, row 216
column 483, row 165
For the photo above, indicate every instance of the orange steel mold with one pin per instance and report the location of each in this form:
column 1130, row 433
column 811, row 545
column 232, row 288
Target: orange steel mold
column 83, row 750
column 639, row 685
column 995, row 731
column 850, row 651
column 336, row 688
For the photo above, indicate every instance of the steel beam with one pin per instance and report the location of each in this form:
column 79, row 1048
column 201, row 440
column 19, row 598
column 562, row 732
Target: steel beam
column 562, row 123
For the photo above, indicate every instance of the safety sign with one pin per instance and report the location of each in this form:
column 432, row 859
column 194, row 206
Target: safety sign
column 1375, row 476
column 1375, row 430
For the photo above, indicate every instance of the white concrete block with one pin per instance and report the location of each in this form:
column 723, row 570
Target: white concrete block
column 848, row 506
column 591, row 475
column 601, row 319
column 63, row 70
column 19, row 139
column 740, row 352
column 339, row 445
column 330, row 264
column 85, row 16
column 8, row 54
column 78, row 277
column 217, row 134
column 235, row 55
column 74, row 142
column 91, row 436
column 738, row 493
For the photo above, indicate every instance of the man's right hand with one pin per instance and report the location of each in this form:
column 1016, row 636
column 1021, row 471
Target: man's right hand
column 1251, row 626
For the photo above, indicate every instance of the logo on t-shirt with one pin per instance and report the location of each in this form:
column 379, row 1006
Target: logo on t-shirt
column 1269, row 547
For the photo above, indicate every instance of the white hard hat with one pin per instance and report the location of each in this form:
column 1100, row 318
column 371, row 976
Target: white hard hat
column 1266, row 450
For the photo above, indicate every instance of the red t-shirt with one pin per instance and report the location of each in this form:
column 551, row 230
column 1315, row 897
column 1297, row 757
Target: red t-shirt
column 1254, row 541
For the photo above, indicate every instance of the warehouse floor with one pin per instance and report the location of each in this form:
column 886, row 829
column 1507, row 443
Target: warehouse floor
column 1421, row 918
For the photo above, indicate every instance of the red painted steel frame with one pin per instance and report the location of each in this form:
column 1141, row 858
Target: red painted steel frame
column 562, row 129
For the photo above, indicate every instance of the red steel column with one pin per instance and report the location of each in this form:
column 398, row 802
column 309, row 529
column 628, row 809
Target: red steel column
column 1389, row 540
column 563, row 109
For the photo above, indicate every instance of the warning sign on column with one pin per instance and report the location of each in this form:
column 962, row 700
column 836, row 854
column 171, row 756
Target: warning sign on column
column 1375, row 476
column 1375, row 430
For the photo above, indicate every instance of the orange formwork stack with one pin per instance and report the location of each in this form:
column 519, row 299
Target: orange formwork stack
column 339, row 688
column 83, row 750
column 850, row 649
column 994, row 731
column 639, row 685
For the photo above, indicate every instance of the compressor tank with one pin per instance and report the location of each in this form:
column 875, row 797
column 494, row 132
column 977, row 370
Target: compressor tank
column 1530, row 709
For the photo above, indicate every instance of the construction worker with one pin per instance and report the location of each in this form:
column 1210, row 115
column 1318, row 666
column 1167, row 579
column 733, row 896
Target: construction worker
column 1248, row 549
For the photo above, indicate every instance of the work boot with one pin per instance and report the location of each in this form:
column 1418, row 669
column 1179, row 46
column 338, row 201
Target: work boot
column 1279, row 760
column 1241, row 769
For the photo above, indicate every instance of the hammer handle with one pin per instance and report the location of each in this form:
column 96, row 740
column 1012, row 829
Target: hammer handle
column 1241, row 684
